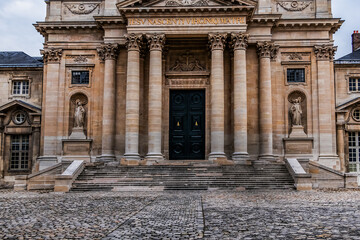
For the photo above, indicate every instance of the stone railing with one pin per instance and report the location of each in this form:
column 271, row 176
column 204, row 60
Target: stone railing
column 302, row 179
column 64, row 181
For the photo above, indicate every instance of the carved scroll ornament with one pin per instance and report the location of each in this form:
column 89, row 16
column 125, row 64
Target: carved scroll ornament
column 239, row 40
column 156, row 41
column 134, row 41
column 187, row 62
column 83, row 8
column 108, row 52
column 217, row 41
column 52, row 55
column 267, row 50
column 194, row 3
column 294, row 6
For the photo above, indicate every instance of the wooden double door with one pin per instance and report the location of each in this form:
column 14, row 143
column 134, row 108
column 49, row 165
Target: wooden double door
column 187, row 125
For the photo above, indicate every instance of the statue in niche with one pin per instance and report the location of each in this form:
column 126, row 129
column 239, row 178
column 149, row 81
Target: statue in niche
column 296, row 112
column 79, row 115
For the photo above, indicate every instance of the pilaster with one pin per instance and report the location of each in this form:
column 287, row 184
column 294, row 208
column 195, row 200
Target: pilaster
column 108, row 53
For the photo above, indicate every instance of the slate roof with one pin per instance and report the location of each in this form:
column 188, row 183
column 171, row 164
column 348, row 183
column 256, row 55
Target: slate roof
column 351, row 58
column 18, row 59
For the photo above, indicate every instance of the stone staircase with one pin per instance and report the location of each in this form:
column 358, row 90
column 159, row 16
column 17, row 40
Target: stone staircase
column 192, row 176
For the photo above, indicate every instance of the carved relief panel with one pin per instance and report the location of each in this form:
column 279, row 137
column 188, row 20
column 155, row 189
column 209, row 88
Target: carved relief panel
column 82, row 10
column 294, row 8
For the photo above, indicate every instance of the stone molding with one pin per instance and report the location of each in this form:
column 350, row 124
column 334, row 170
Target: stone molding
column 325, row 52
column 108, row 51
column 267, row 50
column 217, row 41
column 239, row 41
column 134, row 41
column 52, row 55
column 294, row 6
column 156, row 41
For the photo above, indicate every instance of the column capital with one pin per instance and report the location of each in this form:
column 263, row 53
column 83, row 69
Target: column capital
column 325, row 52
column 239, row 41
column 108, row 51
column 267, row 50
column 217, row 41
column 52, row 55
column 134, row 41
column 156, row 41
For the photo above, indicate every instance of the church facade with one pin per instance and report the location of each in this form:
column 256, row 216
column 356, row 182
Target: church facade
column 143, row 82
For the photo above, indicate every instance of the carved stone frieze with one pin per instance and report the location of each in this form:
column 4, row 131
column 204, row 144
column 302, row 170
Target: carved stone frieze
column 184, row 82
column 134, row 41
column 295, row 56
column 267, row 50
column 52, row 55
column 156, row 41
column 217, row 40
column 108, row 51
column 83, row 8
column 187, row 62
column 194, row 3
column 294, row 6
column 325, row 52
column 239, row 40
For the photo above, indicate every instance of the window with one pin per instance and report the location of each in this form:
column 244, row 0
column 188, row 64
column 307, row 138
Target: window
column 19, row 157
column 354, row 84
column 19, row 117
column 80, row 77
column 20, row 88
column 295, row 75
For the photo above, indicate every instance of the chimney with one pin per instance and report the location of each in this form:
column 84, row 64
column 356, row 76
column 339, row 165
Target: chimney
column 356, row 41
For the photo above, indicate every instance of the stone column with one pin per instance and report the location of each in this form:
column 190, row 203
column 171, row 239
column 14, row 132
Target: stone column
column 52, row 58
column 108, row 53
column 266, row 51
column 133, row 97
column 217, row 44
column 156, row 43
column 327, row 140
column 239, row 43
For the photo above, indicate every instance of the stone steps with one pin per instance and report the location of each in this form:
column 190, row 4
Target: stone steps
column 179, row 177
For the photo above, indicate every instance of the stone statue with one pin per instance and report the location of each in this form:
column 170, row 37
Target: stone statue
column 296, row 112
column 79, row 115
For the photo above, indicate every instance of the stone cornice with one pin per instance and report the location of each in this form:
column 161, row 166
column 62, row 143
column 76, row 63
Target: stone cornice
column 325, row 52
column 267, row 50
column 217, row 41
column 332, row 24
column 108, row 51
column 239, row 41
column 156, row 41
column 44, row 27
column 134, row 41
column 51, row 55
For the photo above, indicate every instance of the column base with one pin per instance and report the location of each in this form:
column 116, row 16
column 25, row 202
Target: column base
column 106, row 158
column 217, row 156
column 242, row 158
column 132, row 156
column 266, row 158
column 153, row 158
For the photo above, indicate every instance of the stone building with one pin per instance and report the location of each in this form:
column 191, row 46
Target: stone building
column 149, row 81
column 347, row 83
column 20, row 113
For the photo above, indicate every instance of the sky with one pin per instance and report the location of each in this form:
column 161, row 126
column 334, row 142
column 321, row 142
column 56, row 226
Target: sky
column 18, row 33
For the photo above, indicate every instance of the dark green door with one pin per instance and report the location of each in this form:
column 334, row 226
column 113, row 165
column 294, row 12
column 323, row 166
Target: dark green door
column 187, row 124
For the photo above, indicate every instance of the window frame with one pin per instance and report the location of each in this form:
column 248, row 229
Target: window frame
column 357, row 83
column 80, row 71
column 295, row 69
column 21, row 152
column 70, row 68
column 21, row 78
column 304, row 66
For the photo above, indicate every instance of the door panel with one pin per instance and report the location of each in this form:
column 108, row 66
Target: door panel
column 187, row 124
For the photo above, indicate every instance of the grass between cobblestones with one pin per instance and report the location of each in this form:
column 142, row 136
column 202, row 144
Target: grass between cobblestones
column 181, row 215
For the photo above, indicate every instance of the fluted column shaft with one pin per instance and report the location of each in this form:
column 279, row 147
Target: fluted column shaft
column 109, row 53
column 133, row 97
column 239, row 44
column 217, row 43
column 266, row 51
column 156, row 43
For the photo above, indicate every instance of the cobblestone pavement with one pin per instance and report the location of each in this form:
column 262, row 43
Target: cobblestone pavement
column 181, row 215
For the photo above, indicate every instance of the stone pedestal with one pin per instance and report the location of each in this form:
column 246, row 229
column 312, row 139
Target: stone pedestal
column 298, row 146
column 76, row 149
column 297, row 131
column 77, row 133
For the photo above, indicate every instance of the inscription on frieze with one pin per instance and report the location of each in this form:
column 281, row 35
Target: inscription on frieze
column 184, row 21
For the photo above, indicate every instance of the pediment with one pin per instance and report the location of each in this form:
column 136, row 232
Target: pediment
column 184, row 3
column 20, row 104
